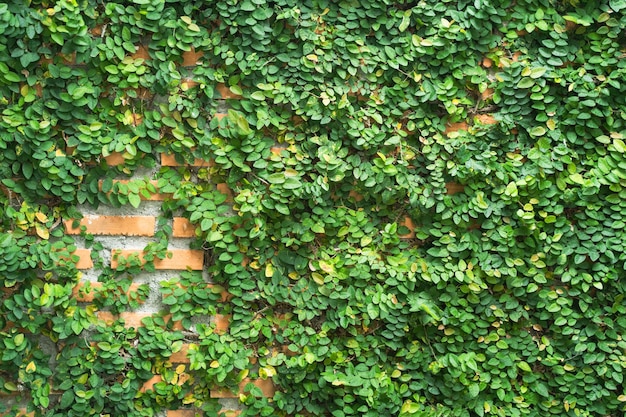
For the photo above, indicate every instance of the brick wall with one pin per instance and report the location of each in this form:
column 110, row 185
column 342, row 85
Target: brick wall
column 126, row 231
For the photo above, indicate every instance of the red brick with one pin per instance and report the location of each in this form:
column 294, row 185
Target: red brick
column 181, row 259
column 106, row 316
column 149, row 384
column 141, row 52
column 183, row 413
column 453, row 188
column 356, row 196
column 84, row 258
column 182, row 227
column 176, row 325
column 223, row 188
column 133, row 319
column 222, row 322
column 115, row 225
column 486, row 119
column 168, row 160
column 487, row 94
column 455, row 127
column 277, row 150
column 181, row 355
column 188, row 83
column 225, row 92
column 191, row 58
column 408, row 222
column 115, row 158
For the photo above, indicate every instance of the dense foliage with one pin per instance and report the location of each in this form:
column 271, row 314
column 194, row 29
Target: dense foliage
column 507, row 300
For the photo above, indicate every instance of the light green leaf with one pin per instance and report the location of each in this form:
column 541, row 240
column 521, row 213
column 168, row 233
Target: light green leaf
column 526, row 82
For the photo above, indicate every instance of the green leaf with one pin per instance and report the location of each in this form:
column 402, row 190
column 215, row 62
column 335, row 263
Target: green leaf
column 537, row 131
column 542, row 389
column 67, row 399
column 277, row 178
column 525, row 82
column 617, row 5
column 258, row 95
column 406, row 20
column 134, row 199
column 523, row 365
column 537, row 72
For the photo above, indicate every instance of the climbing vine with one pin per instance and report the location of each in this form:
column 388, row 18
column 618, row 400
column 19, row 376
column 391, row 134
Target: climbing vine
column 425, row 207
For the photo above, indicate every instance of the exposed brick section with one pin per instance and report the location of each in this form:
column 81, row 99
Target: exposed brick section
column 115, row 158
column 141, row 52
column 84, row 258
column 181, row 355
column 183, row 413
column 277, row 150
column 168, row 160
column 225, row 92
column 114, row 225
column 181, row 227
column 181, row 259
column 453, row 188
column 133, row 318
column 78, row 292
column 356, row 196
column 192, row 58
column 149, row 384
column 486, row 119
column 408, row 222
column 222, row 322
column 223, row 188
column 455, row 127
column 106, row 316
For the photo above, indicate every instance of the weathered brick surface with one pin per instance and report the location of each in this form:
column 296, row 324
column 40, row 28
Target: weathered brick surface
column 182, row 227
column 84, row 258
column 114, row 225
